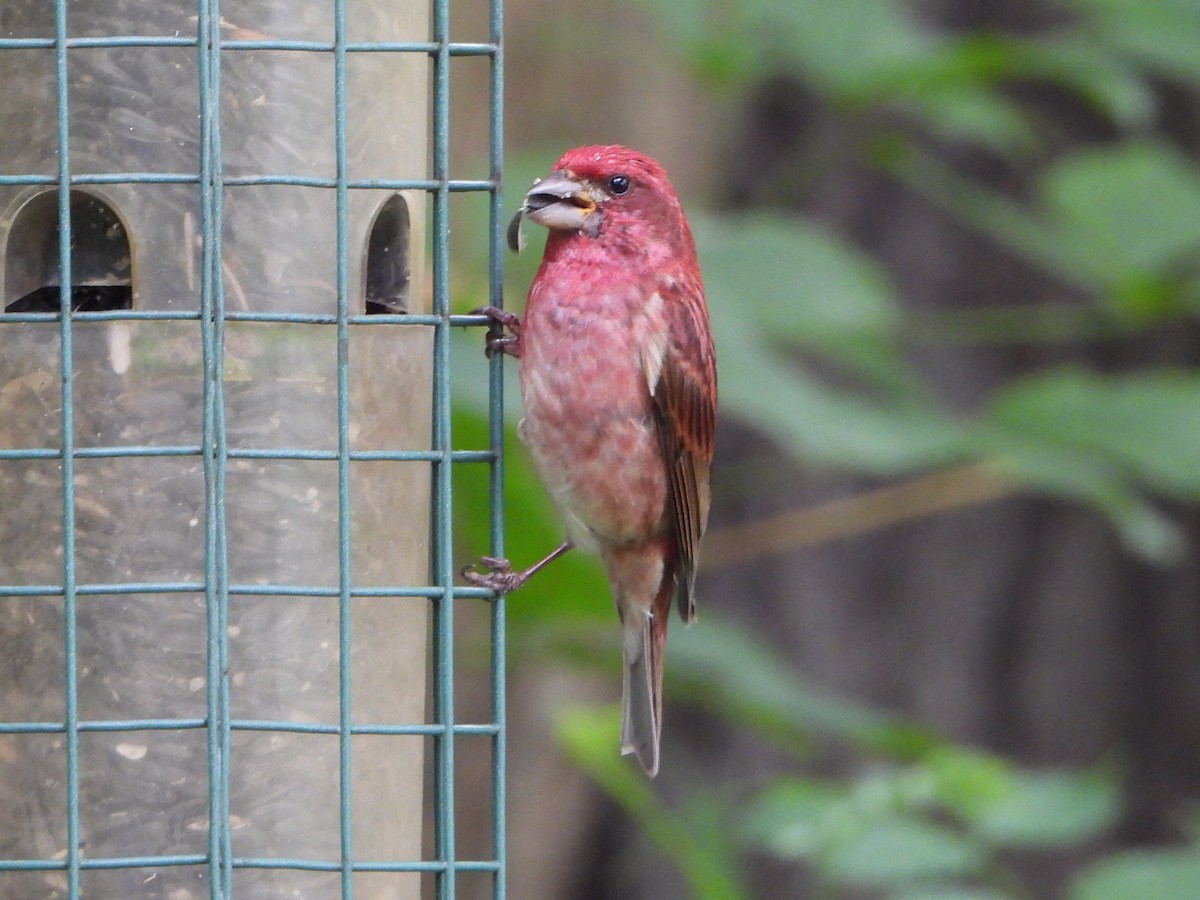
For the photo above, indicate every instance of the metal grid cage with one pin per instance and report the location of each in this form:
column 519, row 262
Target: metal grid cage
column 63, row 325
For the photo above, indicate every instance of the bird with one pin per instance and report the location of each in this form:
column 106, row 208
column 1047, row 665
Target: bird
column 618, row 383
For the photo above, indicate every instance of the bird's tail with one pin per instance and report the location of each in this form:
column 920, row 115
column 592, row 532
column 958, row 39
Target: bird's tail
column 641, row 695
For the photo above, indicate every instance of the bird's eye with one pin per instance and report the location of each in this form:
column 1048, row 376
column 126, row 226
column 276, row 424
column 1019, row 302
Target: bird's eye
column 618, row 184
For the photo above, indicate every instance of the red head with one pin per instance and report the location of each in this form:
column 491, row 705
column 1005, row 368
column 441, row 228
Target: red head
column 614, row 195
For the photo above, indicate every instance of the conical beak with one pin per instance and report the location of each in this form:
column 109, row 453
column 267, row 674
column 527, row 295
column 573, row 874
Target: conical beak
column 560, row 203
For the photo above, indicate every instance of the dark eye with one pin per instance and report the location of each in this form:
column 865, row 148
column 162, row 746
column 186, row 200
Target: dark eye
column 618, row 184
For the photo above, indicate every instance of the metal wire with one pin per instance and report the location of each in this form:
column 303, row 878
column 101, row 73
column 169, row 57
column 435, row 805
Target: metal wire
column 66, row 357
column 215, row 453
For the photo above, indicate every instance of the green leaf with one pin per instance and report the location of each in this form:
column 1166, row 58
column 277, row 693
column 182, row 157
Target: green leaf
column 1163, row 34
column 1015, row 807
column 900, row 850
column 845, row 47
column 1144, row 874
column 1143, row 424
column 1108, row 81
column 776, row 284
column 973, row 114
column 968, row 782
column 694, row 842
column 833, row 427
column 1005, row 220
column 864, row 833
column 1122, row 222
column 1104, row 439
column 794, row 280
column 1132, row 211
column 724, row 668
column 842, row 47
column 792, row 818
column 1064, row 472
column 947, row 892
column 1041, row 809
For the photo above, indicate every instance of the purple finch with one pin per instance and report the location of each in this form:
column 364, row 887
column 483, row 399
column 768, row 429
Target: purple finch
column 619, row 385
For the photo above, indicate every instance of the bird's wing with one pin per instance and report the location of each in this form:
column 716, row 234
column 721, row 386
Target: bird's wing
column 683, row 383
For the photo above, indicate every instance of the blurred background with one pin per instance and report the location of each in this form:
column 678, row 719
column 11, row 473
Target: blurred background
column 949, row 636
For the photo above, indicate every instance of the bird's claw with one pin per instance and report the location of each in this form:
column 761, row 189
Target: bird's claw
column 502, row 317
column 499, row 576
column 497, row 341
column 500, row 343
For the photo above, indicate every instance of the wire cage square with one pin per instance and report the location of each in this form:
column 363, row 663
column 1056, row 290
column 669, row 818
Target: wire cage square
column 227, row 599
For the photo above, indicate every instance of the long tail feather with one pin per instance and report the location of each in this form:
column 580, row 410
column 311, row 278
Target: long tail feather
column 641, row 694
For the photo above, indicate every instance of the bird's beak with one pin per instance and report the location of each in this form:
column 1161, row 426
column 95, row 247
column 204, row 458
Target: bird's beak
column 560, row 203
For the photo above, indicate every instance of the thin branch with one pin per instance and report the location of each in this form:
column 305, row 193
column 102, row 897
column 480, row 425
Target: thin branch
column 917, row 498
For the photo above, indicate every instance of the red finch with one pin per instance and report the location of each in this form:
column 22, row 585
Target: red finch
column 619, row 385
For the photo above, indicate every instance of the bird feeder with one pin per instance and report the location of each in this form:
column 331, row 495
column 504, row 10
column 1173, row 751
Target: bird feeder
column 221, row 504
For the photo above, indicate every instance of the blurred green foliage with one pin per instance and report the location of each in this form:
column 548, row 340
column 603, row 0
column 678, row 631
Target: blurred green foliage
column 1117, row 223
column 925, row 819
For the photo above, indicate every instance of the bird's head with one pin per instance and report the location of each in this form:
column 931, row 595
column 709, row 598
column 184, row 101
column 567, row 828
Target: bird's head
column 606, row 191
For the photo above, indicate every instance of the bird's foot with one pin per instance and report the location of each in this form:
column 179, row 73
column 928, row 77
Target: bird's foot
column 499, row 576
column 497, row 341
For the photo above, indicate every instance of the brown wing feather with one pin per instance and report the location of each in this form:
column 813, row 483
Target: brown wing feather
column 685, row 399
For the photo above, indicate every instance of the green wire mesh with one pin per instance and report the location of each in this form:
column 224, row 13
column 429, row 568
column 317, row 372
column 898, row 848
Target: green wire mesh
column 212, row 45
